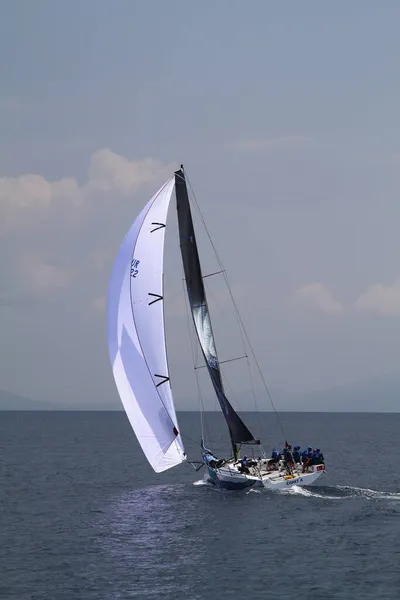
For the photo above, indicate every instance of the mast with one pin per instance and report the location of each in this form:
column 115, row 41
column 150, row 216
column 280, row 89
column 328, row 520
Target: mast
column 239, row 433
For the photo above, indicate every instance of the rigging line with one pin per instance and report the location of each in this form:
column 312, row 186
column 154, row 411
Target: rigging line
column 208, row 275
column 252, row 385
column 193, row 463
column 236, row 308
column 212, row 295
column 258, row 365
column 193, row 347
column 213, row 298
column 211, row 274
column 254, row 394
column 183, row 435
column 231, row 392
column 222, row 362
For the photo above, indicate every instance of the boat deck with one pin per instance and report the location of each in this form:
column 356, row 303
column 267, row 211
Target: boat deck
column 265, row 469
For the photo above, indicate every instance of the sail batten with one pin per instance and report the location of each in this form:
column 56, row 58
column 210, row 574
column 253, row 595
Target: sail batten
column 239, row 432
column 136, row 335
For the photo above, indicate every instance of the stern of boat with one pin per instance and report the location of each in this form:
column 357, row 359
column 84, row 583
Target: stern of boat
column 281, row 481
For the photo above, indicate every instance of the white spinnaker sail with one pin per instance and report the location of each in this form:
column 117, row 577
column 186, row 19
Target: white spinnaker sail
column 136, row 336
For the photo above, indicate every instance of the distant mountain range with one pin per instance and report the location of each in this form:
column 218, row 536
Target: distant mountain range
column 379, row 395
column 10, row 401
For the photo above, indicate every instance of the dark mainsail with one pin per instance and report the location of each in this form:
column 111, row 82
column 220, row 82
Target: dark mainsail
column 239, row 433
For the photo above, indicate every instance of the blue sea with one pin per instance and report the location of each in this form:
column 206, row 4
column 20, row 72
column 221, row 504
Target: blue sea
column 83, row 516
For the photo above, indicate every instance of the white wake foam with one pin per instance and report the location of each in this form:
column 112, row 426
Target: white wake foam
column 301, row 491
column 369, row 493
column 342, row 492
column 202, row 482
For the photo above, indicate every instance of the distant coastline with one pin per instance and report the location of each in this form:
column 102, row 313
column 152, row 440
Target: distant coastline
column 376, row 396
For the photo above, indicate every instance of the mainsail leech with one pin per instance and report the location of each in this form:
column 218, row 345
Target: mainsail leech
column 238, row 431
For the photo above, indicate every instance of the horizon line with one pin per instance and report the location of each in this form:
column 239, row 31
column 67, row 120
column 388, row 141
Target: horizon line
column 117, row 410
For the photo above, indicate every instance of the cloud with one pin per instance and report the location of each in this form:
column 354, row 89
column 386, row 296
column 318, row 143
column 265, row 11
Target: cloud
column 381, row 299
column 28, row 199
column 111, row 172
column 284, row 142
column 53, row 234
column 317, row 296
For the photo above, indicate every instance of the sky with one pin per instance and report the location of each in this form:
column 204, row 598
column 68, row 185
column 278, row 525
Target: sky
column 286, row 118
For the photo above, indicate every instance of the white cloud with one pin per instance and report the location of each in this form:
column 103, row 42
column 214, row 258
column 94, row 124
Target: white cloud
column 381, row 299
column 43, row 222
column 318, row 297
column 284, row 142
column 111, row 172
column 27, row 199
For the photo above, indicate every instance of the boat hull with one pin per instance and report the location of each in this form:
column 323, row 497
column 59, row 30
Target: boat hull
column 230, row 478
column 301, row 479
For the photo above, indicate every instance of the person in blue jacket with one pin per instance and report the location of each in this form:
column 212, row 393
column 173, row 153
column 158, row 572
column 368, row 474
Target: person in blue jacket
column 318, row 458
column 296, row 454
column 275, row 456
column 244, row 465
column 308, row 459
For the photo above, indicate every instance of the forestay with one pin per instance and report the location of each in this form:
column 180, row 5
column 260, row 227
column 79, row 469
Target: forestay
column 136, row 336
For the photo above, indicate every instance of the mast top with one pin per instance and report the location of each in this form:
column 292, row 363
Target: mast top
column 180, row 173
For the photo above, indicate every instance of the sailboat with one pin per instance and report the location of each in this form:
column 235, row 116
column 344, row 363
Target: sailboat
column 138, row 352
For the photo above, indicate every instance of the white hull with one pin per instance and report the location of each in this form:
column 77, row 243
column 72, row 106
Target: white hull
column 300, row 479
column 229, row 477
